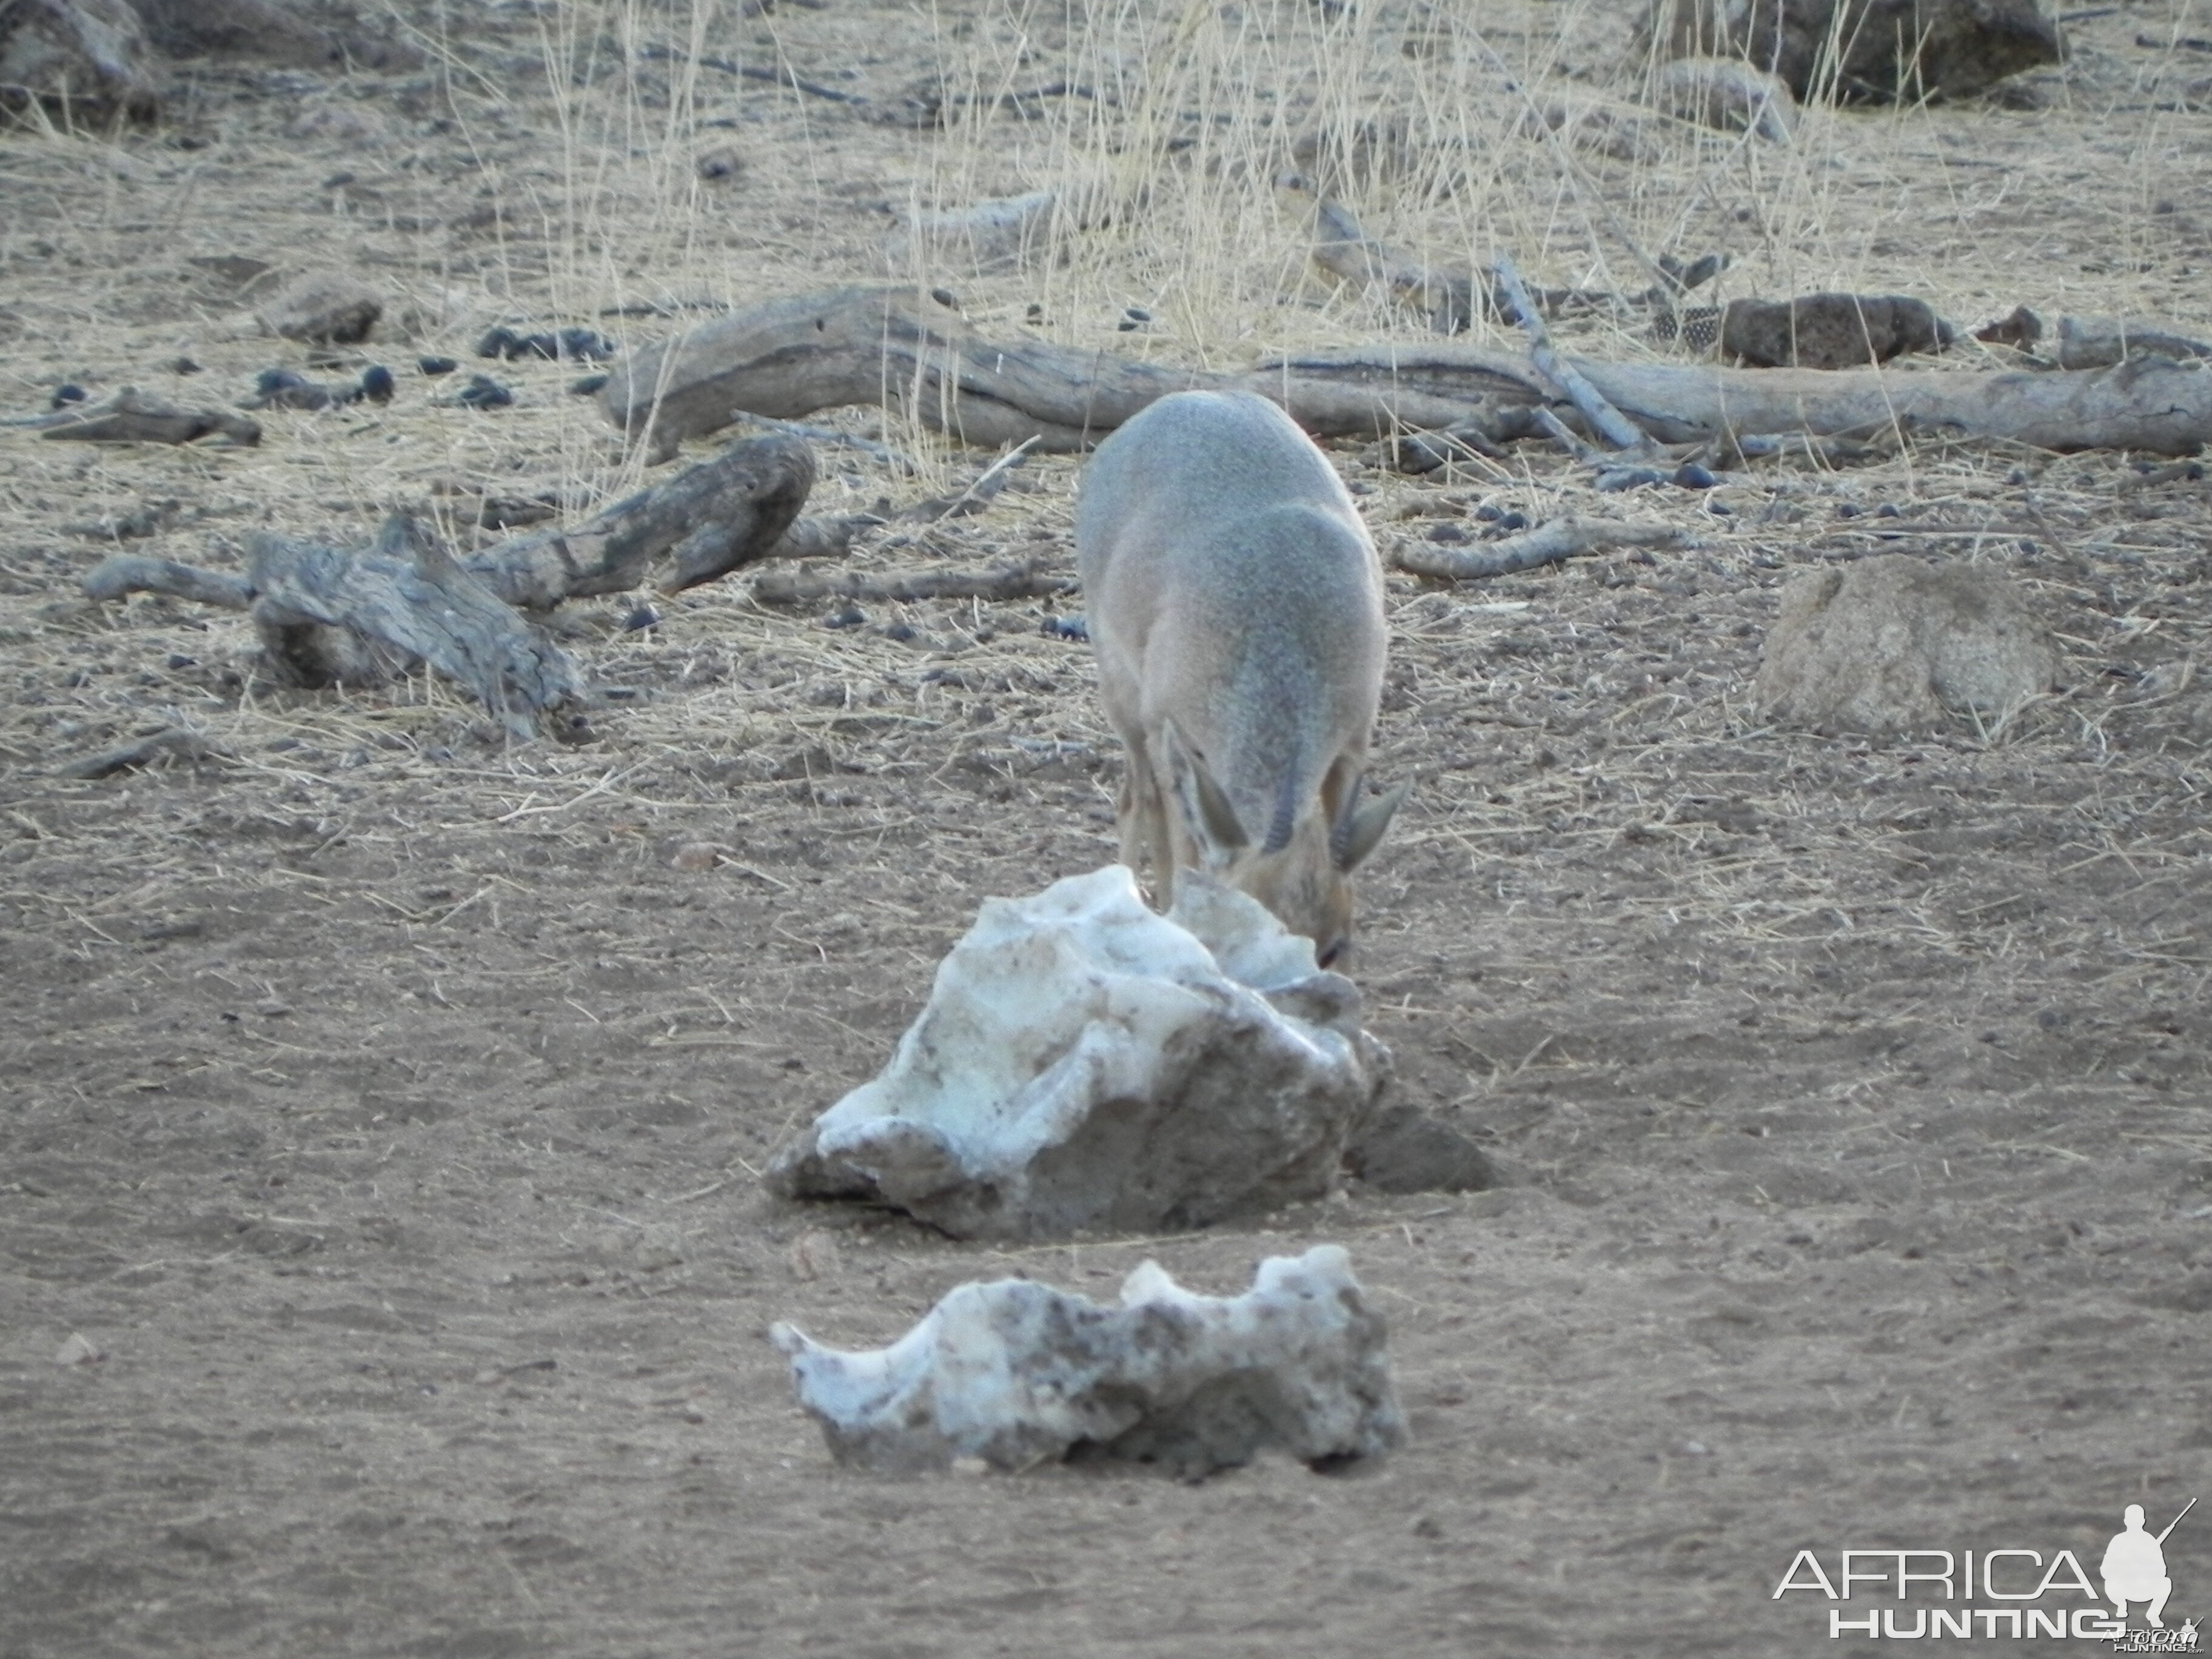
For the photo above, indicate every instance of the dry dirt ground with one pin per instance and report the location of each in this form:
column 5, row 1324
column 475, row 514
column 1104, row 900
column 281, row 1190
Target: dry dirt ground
column 384, row 1102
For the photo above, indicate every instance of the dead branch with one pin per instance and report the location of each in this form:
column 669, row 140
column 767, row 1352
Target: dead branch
column 1547, row 544
column 1007, row 583
column 1446, row 298
column 337, row 616
column 120, row 574
column 132, row 416
column 1452, row 299
column 1602, row 418
column 170, row 740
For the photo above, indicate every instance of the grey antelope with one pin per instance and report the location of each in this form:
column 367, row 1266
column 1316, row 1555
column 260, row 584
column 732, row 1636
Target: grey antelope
column 1235, row 604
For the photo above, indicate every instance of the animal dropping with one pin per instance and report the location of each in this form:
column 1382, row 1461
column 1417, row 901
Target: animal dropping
column 1235, row 601
column 1014, row 1374
column 1084, row 1063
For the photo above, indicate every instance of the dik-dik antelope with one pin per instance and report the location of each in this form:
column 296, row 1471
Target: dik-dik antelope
column 1235, row 604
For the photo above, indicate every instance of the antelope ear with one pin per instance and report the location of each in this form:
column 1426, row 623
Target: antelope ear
column 1360, row 830
column 1212, row 822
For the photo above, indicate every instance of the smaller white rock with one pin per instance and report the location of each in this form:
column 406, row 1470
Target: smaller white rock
column 79, row 1350
column 1014, row 1374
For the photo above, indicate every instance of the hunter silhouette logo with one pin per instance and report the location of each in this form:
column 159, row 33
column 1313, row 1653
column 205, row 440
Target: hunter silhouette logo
column 2003, row 1593
column 2134, row 1568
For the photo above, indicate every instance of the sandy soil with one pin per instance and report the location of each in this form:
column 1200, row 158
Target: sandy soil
column 383, row 1104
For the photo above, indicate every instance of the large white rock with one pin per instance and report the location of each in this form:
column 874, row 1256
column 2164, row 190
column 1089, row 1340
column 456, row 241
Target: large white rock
column 1085, row 1063
column 1016, row 1373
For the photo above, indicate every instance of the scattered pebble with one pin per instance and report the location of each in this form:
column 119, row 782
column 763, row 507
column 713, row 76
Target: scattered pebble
column 436, row 365
column 813, row 1255
column 850, row 617
column 587, row 386
column 1691, row 476
column 569, row 343
column 183, row 366
column 65, row 394
column 946, row 297
column 639, row 618
column 696, row 856
column 1066, row 627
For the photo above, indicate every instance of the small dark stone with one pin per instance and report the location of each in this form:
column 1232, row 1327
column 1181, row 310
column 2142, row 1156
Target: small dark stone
column 65, row 394
column 1488, row 514
column 1125, row 326
column 376, row 384
column 1407, row 1151
column 850, row 617
column 1720, row 509
column 641, row 617
column 504, row 342
column 1137, row 314
column 183, row 366
column 946, row 297
column 178, row 660
column 483, row 393
column 1888, row 510
column 901, row 632
column 436, row 365
column 585, row 386
column 1034, row 311
column 1451, row 534
column 1848, row 510
column 1691, row 476
column 1512, row 521
column 1066, row 627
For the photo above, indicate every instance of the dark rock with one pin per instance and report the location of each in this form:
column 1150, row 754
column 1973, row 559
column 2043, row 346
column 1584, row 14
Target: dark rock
column 1891, row 49
column 1404, row 1150
column 86, row 58
column 1830, row 331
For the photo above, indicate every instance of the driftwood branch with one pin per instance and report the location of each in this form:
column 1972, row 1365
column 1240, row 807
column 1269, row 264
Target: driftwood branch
column 1547, row 544
column 1007, row 583
column 329, row 616
column 714, row 517
column 132, row 416
column 120, row 574
column 789, row 358
column 2149, row 403
column 1452, row 300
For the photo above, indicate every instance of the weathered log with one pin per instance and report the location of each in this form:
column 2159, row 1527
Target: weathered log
column 1007, row 583
column 2149, row 404
column 716, row 516
column 1547, row 544
column 329, row 615
column 788, row 358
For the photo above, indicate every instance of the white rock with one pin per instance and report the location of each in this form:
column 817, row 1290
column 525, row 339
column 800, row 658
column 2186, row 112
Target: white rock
column 1015, row 1373
column 1085, row 1063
